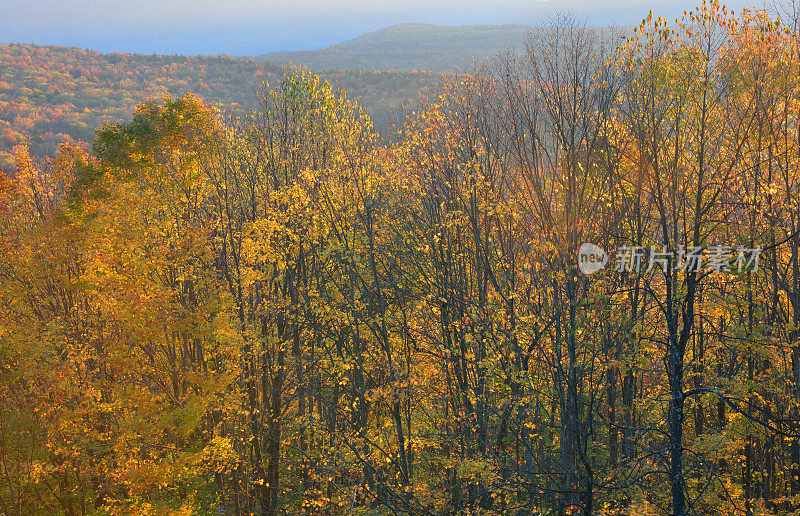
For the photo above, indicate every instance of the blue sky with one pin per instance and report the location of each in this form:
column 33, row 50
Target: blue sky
column 242, row 27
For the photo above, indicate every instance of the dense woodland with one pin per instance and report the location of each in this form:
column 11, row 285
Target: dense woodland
column 279, row 312
column 49, row 95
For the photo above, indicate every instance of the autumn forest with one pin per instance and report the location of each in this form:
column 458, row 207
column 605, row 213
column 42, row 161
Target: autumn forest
column 279, row 309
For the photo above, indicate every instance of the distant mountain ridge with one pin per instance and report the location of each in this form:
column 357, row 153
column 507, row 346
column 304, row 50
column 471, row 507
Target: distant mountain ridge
column 411, row 46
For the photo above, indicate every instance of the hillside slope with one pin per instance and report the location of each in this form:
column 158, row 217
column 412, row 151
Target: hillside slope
column 49, row 94
column 411, row 46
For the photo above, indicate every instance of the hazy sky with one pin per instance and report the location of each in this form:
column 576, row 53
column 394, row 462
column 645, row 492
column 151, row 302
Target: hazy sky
column 252, row 27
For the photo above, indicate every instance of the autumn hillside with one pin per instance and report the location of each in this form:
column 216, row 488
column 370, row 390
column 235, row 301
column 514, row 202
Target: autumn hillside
column 49, row 94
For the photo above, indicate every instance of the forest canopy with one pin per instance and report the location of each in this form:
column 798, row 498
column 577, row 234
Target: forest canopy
column 49, row 94
column 278, row 311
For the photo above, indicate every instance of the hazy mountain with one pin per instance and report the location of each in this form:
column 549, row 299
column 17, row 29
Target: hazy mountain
column 422, row 46
column 411, row 46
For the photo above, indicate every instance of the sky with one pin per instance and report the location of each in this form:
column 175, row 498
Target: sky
column 250, row 27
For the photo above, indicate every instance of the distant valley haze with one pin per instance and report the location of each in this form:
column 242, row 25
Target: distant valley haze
column 248, row 27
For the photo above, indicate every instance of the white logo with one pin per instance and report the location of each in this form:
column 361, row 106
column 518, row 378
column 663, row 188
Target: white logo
column 591, row 258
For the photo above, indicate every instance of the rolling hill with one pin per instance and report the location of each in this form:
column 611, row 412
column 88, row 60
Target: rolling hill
column 411, row 46
column 49, row 94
